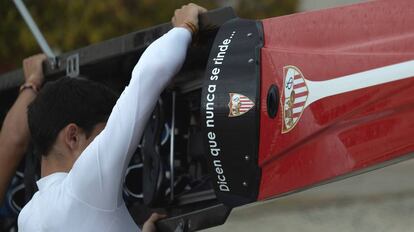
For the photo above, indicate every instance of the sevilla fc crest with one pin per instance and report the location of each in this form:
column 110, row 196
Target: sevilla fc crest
column 294, row 97
column 239, row 104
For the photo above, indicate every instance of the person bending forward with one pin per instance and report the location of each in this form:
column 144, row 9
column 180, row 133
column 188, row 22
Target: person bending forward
column 85, row 153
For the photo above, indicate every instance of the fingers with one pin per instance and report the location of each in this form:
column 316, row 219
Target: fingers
column 38, row 58
column 149, row 225
column 200, row 9
column 155, row 217
column 34, row 60
column 32, row 68
column 187, row 17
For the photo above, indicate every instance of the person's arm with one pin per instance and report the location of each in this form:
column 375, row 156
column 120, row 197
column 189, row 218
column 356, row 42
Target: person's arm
column 14, row 134
column 97, row 175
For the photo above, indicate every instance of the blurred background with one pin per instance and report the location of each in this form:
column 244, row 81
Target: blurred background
column 381, row 200
column 68, row 25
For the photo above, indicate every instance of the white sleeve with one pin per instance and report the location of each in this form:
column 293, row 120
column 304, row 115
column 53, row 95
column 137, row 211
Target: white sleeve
column 97, row 175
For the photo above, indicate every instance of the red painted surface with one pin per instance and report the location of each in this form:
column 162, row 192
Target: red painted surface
column 344, row 133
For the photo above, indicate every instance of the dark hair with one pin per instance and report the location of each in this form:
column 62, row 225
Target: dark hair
column 67, row 100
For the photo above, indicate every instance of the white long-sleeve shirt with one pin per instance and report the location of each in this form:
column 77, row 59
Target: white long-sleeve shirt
column 89, row 197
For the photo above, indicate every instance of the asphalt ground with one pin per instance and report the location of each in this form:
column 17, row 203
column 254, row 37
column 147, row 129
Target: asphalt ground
column 381, row 200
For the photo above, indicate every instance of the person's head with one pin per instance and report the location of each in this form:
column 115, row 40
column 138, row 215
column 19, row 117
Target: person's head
column 67, row 115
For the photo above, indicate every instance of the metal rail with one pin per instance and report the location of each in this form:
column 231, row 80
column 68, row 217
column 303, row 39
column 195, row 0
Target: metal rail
column 172, row 134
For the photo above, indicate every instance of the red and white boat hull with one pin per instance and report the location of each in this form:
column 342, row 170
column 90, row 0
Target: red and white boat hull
column 329, row 95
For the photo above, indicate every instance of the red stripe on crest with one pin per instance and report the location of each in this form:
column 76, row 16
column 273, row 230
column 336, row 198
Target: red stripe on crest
column 301, row 94
column 298, row 76
column 301, row 104
column 300, row 85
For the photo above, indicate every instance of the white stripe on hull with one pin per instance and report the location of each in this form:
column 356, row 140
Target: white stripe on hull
column 378, row 76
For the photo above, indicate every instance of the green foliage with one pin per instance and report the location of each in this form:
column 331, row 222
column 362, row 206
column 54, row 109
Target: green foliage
column 70, row 24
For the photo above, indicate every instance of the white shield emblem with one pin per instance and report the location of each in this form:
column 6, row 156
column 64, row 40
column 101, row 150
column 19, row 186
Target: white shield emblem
column 239, row 104
column 294, row 97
